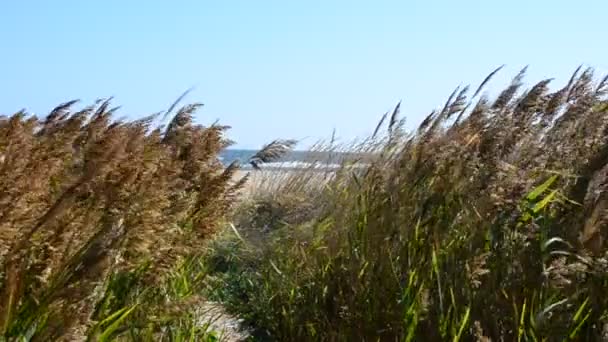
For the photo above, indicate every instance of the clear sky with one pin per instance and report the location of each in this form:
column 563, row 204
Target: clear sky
column 286, row 69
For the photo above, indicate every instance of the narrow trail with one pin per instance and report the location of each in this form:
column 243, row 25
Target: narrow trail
column 228, row 327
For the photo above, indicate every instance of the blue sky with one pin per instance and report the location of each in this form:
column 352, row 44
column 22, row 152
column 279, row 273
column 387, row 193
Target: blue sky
column 286, row 69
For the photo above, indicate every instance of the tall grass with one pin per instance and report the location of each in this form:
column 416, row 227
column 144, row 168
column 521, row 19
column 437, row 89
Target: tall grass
column 487, row 222
column 96, row 217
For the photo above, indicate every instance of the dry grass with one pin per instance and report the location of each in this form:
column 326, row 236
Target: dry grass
column 488, row 221
column 84, row 199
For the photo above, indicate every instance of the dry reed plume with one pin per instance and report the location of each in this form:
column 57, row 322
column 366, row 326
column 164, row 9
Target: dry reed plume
column 488, row 221
column 83, row 197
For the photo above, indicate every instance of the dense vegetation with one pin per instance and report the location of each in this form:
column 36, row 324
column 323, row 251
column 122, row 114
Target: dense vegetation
column 100, row 223
column 487, row 222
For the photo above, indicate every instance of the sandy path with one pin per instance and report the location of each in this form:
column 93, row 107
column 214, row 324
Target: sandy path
column 228, row 327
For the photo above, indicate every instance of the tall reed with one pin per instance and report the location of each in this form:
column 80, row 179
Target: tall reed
column 88, row 202
column 488, row 221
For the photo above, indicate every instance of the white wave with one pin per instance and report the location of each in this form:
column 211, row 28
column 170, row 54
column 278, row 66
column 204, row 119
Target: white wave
column 307, row 165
